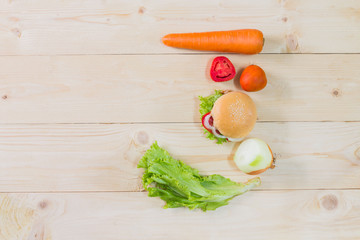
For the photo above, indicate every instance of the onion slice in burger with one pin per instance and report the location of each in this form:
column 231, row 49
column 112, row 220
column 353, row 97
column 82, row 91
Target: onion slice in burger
column 206, row 122
column 254, row 156
column 235, row 139
column 214, row 131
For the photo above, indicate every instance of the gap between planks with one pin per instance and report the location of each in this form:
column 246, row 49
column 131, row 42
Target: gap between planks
column 156, row 123
column 144, row 191
column 167, row 54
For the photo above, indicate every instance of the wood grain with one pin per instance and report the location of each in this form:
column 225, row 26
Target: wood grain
column 107, row 89
column 118, row 27
column 318, row 215
column 67, row 67
column 96, row 157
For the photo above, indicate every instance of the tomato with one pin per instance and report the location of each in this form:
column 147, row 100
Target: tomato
column 253, row 79
column 207, row 122
column 222, row 69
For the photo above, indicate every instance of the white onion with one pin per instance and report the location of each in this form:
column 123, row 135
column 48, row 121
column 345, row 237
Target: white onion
column 213, row 129
column 216, row 134
column 254, row 156
column 235, row 139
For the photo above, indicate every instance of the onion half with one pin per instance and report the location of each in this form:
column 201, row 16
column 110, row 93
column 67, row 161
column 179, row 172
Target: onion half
column 254, row 156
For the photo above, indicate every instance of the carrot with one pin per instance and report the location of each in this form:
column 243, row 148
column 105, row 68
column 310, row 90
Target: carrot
column 247, row 41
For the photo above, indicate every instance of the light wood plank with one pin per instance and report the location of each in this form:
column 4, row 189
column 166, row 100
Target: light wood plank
column 104, row 157
column 118, row 27
column 92, row 89
column 300, row 215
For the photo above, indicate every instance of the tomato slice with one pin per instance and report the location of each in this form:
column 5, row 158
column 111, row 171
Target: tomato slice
column 222, row 69
column 209, row 121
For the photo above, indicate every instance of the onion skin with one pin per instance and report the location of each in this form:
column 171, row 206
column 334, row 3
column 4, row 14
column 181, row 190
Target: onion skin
column 272, row 165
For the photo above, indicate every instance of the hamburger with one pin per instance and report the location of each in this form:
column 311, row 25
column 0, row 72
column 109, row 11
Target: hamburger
column 227, row 115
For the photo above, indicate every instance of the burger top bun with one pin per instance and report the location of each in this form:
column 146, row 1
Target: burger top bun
column 234, row 114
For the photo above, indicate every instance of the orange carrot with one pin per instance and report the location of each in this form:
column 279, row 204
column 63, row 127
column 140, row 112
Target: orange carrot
column 247, row 41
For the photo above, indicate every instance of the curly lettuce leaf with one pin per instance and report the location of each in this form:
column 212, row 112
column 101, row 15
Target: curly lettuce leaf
column 180, row 185
column 206, row 105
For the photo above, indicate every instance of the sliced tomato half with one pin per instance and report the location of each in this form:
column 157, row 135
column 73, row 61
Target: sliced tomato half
column 222, row 69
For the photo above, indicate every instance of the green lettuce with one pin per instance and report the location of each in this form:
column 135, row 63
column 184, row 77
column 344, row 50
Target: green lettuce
column 206, row 105
column 179, row 185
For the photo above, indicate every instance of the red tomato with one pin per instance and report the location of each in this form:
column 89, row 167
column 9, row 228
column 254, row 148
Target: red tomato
column 222, row 69
column 210, row 122
column 253, row 79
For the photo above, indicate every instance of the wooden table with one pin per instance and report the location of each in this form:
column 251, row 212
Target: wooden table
column 87, row 86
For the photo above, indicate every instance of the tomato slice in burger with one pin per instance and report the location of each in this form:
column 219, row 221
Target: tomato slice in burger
column 207, row 122
column 222, row 69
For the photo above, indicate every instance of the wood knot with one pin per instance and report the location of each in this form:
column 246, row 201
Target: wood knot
column 43, row 204
column 336, row 92
column 284, row 19
column 329, row 202
column 142, row 137
column 4, row 97
column 357, row 153
column 16, row 31
column 141, row 10
column 14, row 19
column 292, row 43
